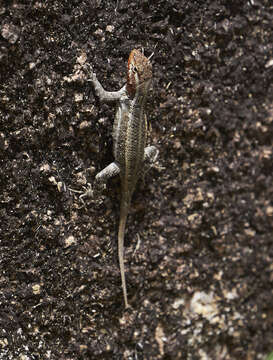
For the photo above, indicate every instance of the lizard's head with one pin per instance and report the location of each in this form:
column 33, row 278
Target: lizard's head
column 139, row 74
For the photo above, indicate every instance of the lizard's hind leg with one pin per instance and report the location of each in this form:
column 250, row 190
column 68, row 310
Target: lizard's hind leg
column 150, row 157
column 100, row 179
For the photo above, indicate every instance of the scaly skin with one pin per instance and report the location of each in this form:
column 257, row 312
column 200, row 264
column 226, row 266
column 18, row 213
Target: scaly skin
column 129, row 137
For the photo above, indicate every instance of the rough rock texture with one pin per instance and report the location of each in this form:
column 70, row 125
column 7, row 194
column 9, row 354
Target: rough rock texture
column 199, row 237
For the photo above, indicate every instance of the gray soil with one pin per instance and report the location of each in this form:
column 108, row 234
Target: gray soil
column 198, row 247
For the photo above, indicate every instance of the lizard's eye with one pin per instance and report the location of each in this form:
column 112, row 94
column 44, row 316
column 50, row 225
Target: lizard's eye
column 134, row 69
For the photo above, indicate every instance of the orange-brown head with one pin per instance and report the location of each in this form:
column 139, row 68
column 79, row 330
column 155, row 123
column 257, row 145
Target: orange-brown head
column 139, row 74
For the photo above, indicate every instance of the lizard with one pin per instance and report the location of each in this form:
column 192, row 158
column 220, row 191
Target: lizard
column 129, row 139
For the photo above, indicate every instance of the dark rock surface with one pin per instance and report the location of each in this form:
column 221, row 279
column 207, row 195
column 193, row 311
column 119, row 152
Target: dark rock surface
column 199, row 237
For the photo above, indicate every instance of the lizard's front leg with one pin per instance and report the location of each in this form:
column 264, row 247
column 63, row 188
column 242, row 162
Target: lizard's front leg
column 105, row 96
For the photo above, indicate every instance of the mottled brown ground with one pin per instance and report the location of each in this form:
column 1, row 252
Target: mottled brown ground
column 199, row 238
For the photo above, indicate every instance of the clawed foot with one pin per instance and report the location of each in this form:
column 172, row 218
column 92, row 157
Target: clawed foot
column 154, row 155
column 150, row 154
column 88, row 193
column 92, row 192
column 89, row 71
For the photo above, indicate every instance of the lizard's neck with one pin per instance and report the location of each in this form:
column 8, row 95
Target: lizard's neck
column 138, row 93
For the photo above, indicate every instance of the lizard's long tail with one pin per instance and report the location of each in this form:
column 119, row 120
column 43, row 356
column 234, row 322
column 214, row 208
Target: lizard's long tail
column 124, row 208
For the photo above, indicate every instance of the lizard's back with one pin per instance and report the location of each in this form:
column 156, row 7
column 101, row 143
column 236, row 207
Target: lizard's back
column 129, row 137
